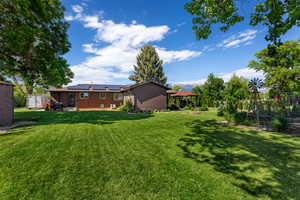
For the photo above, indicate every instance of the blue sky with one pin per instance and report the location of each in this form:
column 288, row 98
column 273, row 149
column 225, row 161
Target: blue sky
column 107, row 35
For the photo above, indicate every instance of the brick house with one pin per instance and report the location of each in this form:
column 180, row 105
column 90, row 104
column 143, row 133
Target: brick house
column 144, row 96
column 6, row 103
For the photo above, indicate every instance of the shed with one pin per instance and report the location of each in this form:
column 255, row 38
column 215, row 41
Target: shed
column 37, row 101
column 6, row 103
column 147, row 96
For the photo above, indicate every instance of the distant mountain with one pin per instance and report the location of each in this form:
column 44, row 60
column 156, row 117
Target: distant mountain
column 186, row 87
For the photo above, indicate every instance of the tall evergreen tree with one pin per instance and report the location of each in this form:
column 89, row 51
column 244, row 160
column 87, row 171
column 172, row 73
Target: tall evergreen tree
column 149, row 67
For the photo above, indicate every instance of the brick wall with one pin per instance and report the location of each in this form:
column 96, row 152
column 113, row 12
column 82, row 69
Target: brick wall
column 6, row 104
column 94, row 101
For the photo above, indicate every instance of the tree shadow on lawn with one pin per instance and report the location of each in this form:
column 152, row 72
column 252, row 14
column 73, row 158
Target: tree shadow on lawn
column 263, row 164
column 89, row 117
column 92, row 117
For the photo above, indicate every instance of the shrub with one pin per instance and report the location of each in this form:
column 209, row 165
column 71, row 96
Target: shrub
column 240, row 117
column 221, row 110
column 296, row 110
column 149, row 111
column 203, row 108
column 189, row 107
column 237, row 118
column 229, row 117
column 279, row 124
column 127, row 107
column 173, row 107
column 19, row 98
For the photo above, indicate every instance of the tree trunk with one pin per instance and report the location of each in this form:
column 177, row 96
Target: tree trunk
column 29, row 90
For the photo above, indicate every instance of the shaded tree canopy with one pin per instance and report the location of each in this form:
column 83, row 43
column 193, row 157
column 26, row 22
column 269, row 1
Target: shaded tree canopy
column 149, row 67
column 235, row 92
column 281, row 65
column 213, row 90
column 177, row 88
column 237, row 88
column 198, row 89
column 33, row 39
column 278, row 16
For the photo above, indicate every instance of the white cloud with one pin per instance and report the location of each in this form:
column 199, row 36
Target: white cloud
column 171, row 56
column 77, row 8
column 244, row 72
column 132, row 35
column 239, row 39
column 87, row 75
column 181, row 24
column 116, row 59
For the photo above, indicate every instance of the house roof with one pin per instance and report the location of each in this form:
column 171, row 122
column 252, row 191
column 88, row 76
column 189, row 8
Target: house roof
column 91, row 88
column 183, row 93
column 143, row 83
column 96, row 87
column 6, row 83
column 171, row 91
column 101, row 87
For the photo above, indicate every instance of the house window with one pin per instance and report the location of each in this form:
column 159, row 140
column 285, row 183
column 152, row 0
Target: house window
column 102, row 95
column 84, row 95
column 118, row 96
column 102, row 106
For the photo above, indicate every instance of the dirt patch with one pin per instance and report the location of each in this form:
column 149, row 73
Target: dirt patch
column 244, row 126
column 195, row 112
column 294, row 127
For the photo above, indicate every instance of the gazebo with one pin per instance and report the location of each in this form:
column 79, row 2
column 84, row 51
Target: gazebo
column 185, row 98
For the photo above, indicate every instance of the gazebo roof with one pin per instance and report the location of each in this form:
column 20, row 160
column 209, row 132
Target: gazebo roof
column 183, row 94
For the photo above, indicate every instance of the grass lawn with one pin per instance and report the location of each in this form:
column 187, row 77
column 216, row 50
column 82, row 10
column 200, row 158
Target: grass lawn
column 175, row 155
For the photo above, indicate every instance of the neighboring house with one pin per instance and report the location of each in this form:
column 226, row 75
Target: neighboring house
column 6, row 103
column 144, row 96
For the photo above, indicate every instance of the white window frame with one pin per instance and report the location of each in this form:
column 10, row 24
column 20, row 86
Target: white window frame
column 102, row 97
column 118, row 96
column 85, row 96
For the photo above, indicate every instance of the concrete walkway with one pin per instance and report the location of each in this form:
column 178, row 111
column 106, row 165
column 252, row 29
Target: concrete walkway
column 4, row 129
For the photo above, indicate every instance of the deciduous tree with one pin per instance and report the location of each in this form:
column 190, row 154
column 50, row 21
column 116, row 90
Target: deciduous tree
column 236, row 91
column 198, row 89
column 281, row 65
column 213, row 90
column 177, row 88
column 278, row 16
column 33, row 39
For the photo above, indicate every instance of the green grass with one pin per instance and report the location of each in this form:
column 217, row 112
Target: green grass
column 115, row 155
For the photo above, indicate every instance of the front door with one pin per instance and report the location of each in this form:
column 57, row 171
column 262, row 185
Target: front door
column 71, row 100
